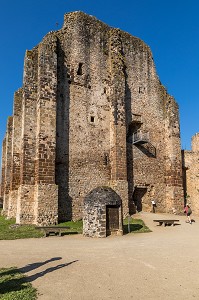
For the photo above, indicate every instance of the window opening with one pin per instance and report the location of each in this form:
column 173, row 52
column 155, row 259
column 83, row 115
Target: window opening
column 79, row 71
column 106, row 159
column 92, row 119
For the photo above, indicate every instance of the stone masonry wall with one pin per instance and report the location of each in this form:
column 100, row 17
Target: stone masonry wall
column 173, row 162
column 46, row 199
column 147, row 98
column 191, row 174
column 3, row 167
column 83, row 86
column 16, row 150
column 25, row 202
column 95, row 213
column 118, row 159
column 7, row 165
column 144, row 98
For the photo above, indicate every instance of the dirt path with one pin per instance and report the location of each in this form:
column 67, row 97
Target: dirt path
column 162, row 264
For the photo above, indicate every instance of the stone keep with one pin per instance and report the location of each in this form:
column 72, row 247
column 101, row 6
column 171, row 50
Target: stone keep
column 91, row 112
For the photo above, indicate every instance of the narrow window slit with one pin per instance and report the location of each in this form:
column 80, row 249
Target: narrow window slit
column 79, row 71
column 92, row 119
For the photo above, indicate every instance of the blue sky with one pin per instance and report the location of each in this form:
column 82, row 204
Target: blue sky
column 170, row 28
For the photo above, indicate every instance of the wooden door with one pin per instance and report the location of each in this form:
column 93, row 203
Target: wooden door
column 112, row 218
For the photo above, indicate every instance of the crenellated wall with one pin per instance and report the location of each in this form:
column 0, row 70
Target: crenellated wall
column 88, row 91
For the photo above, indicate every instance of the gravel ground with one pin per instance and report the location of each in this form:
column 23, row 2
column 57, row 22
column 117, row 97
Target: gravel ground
column 162, row 264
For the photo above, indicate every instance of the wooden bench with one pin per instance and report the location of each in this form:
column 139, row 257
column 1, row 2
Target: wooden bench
column 52, row 229
column 166, row 222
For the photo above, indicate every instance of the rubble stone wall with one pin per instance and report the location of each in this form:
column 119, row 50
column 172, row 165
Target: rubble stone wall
column 191, row 175
column 7, row 165
column 83, row 86
column 95, row 213
column 16, row 151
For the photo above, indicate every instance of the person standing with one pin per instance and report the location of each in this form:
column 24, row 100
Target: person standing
column 153, row 205
column 188, row 212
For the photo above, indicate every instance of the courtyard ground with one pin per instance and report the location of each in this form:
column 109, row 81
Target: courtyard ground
column 163, row 264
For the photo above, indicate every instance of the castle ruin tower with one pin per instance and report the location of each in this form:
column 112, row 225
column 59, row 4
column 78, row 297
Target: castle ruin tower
column 91, row 114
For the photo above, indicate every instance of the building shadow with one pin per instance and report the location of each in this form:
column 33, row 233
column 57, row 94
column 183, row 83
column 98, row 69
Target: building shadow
column 62, row 138
column 148, row 149
column 132, row 227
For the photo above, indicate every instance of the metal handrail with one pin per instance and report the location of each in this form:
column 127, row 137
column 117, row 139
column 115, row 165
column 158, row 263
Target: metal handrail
column 139, row 136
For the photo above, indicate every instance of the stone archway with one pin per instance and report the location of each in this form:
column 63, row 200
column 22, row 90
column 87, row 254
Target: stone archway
column 102, row 213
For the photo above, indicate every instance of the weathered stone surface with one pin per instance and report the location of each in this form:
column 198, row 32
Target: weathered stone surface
column 95, row 210
column 191, row 174
column 88, row 91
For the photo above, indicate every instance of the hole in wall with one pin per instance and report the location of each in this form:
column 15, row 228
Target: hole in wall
column 79, row 71
column 92, row 119
column 141, row 90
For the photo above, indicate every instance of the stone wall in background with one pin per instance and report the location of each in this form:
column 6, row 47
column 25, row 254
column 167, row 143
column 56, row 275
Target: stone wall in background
column 191, row 174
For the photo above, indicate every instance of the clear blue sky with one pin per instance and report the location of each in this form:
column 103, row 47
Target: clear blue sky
column 170, row 28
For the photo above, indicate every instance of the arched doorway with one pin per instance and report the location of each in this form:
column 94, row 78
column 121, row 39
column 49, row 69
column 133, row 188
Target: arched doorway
column 102, row 213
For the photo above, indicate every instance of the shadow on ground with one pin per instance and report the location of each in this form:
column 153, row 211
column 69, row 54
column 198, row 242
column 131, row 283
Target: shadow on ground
column 131, row 228
column 12, row 281
column 36, row 265
column 48, row 270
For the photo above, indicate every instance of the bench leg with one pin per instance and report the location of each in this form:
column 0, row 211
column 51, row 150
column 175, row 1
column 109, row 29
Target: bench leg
column 160, row 223
column 60, row 233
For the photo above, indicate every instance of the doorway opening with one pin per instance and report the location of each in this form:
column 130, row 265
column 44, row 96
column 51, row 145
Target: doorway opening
column 138, row 195
column 112, row 219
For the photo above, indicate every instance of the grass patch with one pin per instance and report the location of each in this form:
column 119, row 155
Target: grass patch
column 10, row 231
column 75, row 227
column 135, row 226
column 13, row 285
